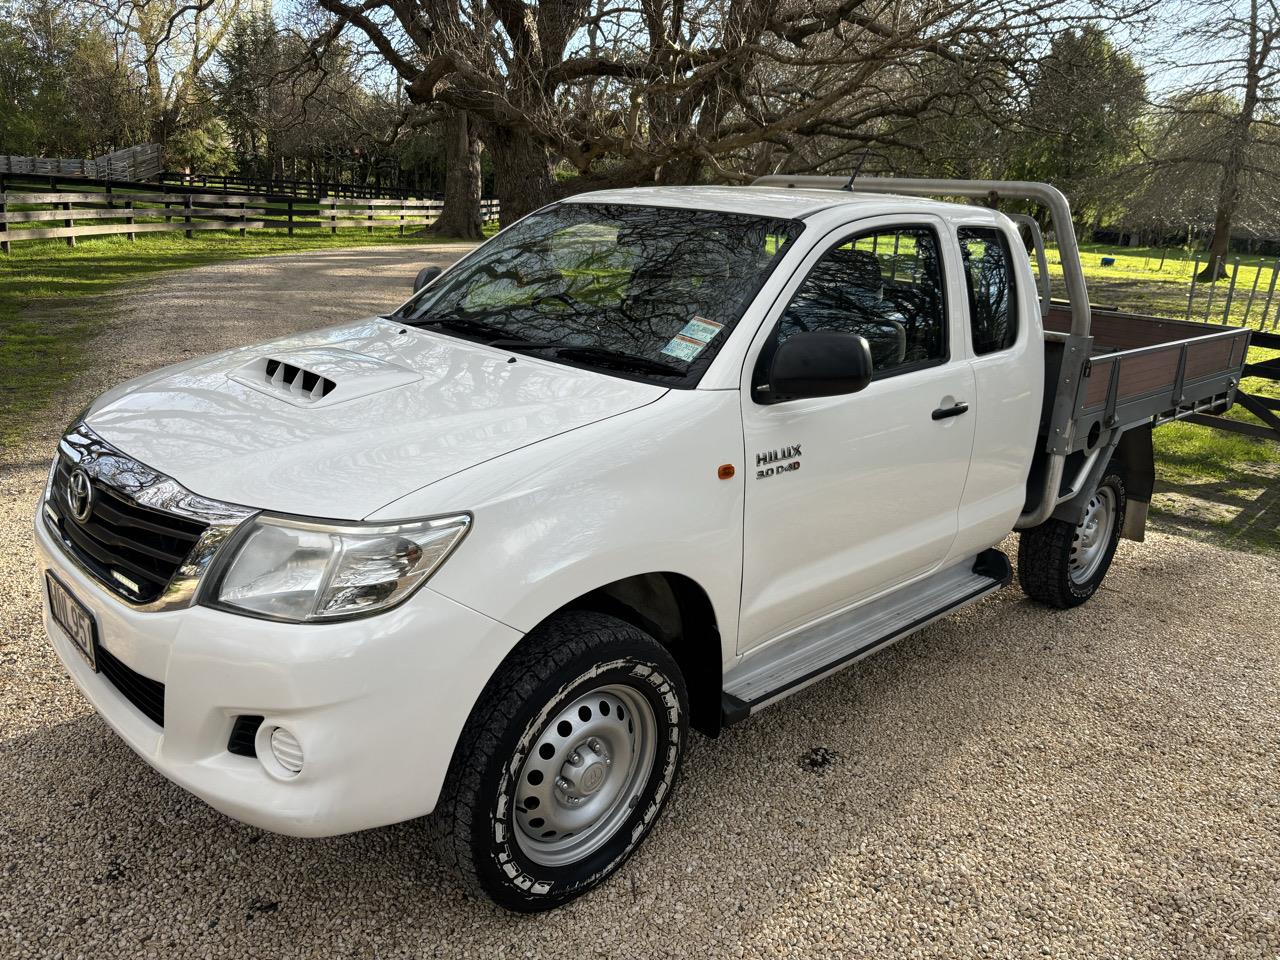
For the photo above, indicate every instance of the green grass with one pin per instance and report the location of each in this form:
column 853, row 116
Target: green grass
column 1138, row 281
column 50, row 297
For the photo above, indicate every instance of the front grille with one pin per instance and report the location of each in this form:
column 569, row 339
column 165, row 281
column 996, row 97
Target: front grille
column 143, row 692
column 133, row 549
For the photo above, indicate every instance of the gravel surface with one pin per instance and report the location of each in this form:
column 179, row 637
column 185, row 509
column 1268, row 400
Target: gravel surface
column 1010, row 782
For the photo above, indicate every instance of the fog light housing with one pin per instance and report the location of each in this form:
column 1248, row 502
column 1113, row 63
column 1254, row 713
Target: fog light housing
column 280, row 751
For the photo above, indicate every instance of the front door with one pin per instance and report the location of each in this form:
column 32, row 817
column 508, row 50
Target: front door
column 848, row 496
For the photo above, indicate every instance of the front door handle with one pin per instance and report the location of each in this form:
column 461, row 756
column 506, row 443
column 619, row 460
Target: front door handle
column 943, row 412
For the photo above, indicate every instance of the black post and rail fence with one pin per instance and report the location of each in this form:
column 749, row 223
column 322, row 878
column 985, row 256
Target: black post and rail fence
column 70, row 211
column 1247, row 295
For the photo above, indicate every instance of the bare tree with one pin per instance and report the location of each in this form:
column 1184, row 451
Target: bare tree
column 1231, row 53
column 677, row 90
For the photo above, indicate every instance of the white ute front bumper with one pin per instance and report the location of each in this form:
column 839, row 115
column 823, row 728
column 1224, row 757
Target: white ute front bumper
column 376, row 704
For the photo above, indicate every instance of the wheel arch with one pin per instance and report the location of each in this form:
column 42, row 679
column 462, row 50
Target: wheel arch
column 1132, row 457
column 676, row 611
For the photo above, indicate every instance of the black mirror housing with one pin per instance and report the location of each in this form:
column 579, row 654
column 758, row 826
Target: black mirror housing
column 818, row 363
column 425, row 276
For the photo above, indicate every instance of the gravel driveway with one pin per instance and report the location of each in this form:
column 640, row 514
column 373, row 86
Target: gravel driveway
column 1010, row 782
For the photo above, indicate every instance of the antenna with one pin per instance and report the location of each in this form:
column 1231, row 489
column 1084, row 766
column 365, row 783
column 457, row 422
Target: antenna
column 857, row 170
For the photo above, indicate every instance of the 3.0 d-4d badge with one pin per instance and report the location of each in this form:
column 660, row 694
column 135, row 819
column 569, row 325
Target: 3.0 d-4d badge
column 791, row 453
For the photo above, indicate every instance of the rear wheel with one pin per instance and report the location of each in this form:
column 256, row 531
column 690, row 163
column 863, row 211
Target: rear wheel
column 1061, row 564
column 566, row 762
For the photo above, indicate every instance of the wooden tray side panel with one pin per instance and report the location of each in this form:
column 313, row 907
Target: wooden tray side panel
column 1148, row 373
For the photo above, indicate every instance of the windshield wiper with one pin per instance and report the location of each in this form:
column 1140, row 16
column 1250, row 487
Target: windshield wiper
column 494, row 336
column 603, row 357
column 476, row 328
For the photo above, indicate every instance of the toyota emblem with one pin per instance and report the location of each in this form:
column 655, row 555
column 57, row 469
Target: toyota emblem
column 80, row 495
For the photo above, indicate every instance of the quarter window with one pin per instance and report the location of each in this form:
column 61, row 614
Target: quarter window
column 885, row 286
column 988, row 271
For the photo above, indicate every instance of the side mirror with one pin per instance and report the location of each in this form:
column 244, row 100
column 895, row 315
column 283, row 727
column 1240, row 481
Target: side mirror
column 425, row 276
column 818, row 363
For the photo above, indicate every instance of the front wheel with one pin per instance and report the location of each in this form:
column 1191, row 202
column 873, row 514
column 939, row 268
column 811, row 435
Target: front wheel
column 1061, row 564
column 567, row 760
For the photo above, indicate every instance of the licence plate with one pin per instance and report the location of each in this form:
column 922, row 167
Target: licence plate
column 70, row 614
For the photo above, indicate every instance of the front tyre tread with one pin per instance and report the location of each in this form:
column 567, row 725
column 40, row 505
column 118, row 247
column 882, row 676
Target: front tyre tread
column 541, row 667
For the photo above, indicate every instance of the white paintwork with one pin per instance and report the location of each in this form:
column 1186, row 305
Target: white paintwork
column 575, row 479
column 236, row 443
column 875, row 501
column 377, row 704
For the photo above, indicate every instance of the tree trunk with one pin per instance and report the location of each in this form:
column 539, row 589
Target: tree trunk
column 522, row 176
column 680, row 172
column 461, row 214
column 1228, row 196
column 1237, row 150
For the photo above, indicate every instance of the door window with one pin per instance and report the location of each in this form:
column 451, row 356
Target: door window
column 988, row 273
column 885, row 286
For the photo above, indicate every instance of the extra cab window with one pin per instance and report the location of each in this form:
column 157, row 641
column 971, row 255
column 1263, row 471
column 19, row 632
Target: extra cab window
column 885, row 285
column 988, row 273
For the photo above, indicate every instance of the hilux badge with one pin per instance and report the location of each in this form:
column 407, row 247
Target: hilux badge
column 786, row 459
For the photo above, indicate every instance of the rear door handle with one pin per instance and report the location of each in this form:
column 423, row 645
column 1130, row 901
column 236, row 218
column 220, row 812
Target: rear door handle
column 943, row 412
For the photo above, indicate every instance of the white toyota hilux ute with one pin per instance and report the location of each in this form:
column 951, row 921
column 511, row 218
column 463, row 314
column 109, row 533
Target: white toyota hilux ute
column 646, row 461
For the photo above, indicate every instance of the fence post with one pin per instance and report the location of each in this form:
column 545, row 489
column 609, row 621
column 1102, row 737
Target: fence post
column 402, row 218
column 1271, row 290
column 370, row 208
column 4, row 224
column 1231, row 291
column 1214, row 266
column 1248, row 307
column 333, row 214
column 1195, row 275
column 69, row 222
column 241, row 218
column 186, row 215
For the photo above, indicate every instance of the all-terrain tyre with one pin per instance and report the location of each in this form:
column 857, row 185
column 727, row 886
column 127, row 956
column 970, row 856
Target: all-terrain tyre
column 1061, row 564
column 568, row 758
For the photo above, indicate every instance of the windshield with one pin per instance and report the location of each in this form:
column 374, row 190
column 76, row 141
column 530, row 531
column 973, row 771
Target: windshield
column 646, row 292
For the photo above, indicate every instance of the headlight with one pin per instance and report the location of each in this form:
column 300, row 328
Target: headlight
column 301, row 570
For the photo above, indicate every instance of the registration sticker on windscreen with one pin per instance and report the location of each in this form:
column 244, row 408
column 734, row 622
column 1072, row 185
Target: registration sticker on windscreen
column 693, row 339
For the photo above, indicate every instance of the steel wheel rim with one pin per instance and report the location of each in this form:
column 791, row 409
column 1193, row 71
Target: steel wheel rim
column 1093, row 535
column 566, row 810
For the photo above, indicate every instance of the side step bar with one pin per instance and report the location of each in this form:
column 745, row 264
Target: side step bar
column 834, row 644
